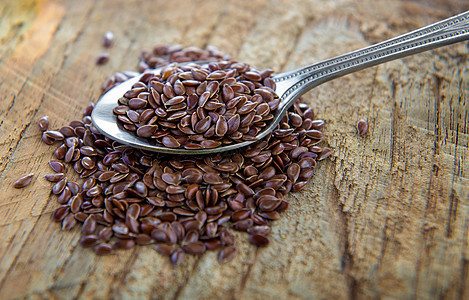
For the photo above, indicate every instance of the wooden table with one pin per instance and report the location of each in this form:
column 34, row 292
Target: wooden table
column 386, row 217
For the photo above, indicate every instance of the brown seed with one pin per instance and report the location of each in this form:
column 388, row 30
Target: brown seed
column 124, row 243
column 68, row 132
column 59, row 186
column 258, row 240
column 23, row 181
column 325, row 153
column 105, row 234
column 69, row 222
column 43, row 123
column 55, row 135
column 307, row 162
column 143, row 239
column 267, row 173
column 65, row 196
column 213, row 244
column 221, row 126
column 243, row 188
column 138, row 196
column 268, row 203
column 94, row 191
column 120, row 228
column 164, row 249
column 212, row 178
column 202, row 125
column 160, row 235
column 170, row 178
column 194, row 247
column 243, row 225
column 211, row 229
column 362, row 127
column 241, row 215
column 227, row 253
column 60, row 213
column 210, row 144
column 316, row 124
column 57, row 166
column 177, row 256
column 137, row 103
column 293, row 172
column 75, row 203
column 315, row 134
column 262, row 230
column 81, row 216
column 174, row 189
column 47, row 139
column 103, row 249
column 156, row 201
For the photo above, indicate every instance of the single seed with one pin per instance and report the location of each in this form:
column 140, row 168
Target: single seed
column 43, row 123
column 103, row 249
column 177, row 256
column 23, row 181
column 362, row 127
column 55, row 135
column 102, row 58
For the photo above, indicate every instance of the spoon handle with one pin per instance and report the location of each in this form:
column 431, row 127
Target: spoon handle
column 290, row 85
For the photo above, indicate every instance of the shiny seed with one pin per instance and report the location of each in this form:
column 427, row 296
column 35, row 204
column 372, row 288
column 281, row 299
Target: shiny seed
column 23, row 181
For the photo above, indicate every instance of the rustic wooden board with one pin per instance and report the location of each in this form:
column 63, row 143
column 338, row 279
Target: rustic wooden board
column 386, row 217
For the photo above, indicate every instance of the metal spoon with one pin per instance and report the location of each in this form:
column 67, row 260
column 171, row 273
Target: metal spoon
column 290, row 85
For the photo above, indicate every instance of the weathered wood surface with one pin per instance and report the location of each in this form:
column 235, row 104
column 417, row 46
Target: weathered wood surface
column 386, row 217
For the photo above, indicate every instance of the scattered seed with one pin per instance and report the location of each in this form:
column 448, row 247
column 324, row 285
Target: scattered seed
column 362, row 127
column 43, row 123
column 102, row 58
column 23, row 181
column 108, row 39
column 258, row 239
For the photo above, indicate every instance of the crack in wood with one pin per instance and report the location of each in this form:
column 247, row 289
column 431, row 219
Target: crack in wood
column 464, row 273
column 181, row 288
column 384, row 243
column 296, row 39
column 81, row 289
column 15, row 260
column 246, row 275
column 206, row 41
column 77, row 36
column 120, row 281
column 347, row 258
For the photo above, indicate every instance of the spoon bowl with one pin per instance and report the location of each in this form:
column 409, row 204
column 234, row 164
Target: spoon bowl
column 291, row 85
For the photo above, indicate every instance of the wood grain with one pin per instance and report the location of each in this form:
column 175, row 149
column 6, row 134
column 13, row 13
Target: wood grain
column 386, row 217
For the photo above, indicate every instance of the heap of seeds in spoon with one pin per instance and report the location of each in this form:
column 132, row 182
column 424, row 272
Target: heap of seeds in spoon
column 178, row 204
column 199, row 107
